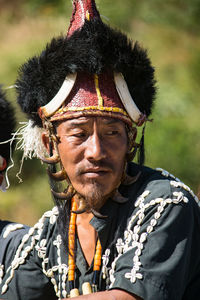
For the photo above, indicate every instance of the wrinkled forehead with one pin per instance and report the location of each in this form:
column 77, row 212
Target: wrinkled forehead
column 89, row 120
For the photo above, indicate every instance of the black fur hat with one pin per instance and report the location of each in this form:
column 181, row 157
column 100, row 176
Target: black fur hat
column 7, row 125
column 94, row 48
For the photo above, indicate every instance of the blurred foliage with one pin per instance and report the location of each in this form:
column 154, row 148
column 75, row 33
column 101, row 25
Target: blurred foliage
column 170, row 32
column 180, row 13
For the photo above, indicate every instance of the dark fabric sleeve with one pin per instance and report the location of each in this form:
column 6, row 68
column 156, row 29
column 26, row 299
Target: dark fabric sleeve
column 28, row 282
column 167, row 265
column 9, row 244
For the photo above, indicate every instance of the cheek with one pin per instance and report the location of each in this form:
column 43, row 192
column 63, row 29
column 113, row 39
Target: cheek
column 66, row 156
column 119, row 151
column 117, row 157
column 70, row 158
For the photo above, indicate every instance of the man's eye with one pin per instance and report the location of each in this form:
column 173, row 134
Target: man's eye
column 112, row 132
column 80, row 135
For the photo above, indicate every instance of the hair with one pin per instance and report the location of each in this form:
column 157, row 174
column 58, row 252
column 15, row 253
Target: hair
column 7, row 124
column 94, row 48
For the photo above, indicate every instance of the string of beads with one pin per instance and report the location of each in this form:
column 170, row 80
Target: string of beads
column 86, row 287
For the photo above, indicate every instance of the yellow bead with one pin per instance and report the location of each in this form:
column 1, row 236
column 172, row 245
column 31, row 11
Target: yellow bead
column 86, row 288
column 74, row 293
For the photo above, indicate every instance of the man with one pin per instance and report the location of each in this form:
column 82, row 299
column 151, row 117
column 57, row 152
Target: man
column 10, row 233
column 119, row 230
column 7, row 124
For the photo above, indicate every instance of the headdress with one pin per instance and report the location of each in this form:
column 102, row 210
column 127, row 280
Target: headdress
column 93, row 70
column 7, row 124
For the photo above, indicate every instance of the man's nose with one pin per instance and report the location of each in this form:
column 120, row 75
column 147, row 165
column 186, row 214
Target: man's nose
column 95, row 149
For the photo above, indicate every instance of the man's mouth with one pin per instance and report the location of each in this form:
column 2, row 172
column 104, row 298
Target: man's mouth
column 95, row 172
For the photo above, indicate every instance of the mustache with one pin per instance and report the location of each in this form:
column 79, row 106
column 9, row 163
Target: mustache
column 101, row 164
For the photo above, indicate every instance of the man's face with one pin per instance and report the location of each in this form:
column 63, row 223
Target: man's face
column 92, row 151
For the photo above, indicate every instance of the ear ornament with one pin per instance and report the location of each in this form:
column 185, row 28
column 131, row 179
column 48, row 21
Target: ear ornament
column 97, row 214
column 68, row 193
column 82, row 206
column 118, row 198
column 53, row 140
column 128, row 180
column 57, row 176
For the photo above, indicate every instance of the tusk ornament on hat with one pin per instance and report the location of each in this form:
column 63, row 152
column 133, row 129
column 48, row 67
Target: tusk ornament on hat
column 51, row 107
column 121, row 86
column 125, row 96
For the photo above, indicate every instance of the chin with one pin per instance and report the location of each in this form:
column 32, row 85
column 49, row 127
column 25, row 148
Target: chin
column 94, row 194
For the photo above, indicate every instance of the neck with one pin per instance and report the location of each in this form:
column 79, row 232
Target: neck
column 84, row 218
column 87, row 235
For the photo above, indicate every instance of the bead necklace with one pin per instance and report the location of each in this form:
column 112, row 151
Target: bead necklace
column 86, row 287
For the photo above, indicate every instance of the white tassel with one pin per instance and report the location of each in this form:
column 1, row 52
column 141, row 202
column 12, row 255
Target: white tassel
column 30, row 140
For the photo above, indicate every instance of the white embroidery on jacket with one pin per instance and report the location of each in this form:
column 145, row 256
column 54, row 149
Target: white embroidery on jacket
column 22, row 252
column 10, row 228
column 105, row 261
column 1, row 272
column 177, row 183
column 134, row 239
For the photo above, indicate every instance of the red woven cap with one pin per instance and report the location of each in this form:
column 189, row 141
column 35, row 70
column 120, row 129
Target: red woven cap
column 93, row 95
column 82, row 9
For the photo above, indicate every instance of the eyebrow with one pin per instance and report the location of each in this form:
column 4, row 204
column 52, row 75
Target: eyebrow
column 78, row 122
column 111, row 121
column 75, row 123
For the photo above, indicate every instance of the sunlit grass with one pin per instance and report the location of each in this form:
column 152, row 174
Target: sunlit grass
column 26, row 201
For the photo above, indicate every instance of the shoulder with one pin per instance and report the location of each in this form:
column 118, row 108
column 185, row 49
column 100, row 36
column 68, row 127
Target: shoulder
column 9, row 229
column 159, row 184
column 10, row 238
column 165, row 187
column 31, row 256
column 10, row 233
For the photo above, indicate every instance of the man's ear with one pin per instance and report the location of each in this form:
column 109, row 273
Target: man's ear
column 46, row 143
column 45, row 140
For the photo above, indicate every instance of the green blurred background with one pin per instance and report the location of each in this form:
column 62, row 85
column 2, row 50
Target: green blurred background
column 170, row 32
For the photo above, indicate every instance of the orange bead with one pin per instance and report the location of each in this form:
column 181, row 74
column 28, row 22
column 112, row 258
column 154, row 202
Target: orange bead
column 71, row 242
column 71, row 259
column 70, row 278
column 71, row 267
column 72, row 227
